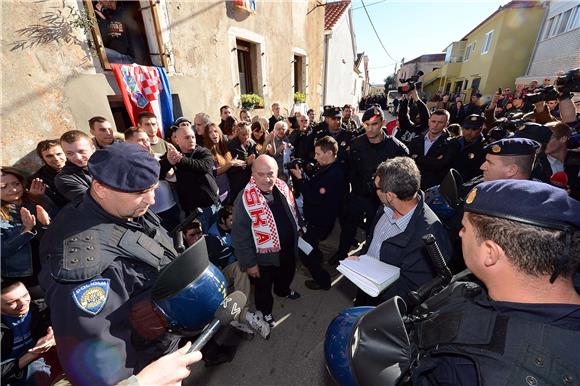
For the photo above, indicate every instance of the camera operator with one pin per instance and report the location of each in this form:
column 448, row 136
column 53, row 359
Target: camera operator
column 323, row 195
column 411, row 105
column 366, row 153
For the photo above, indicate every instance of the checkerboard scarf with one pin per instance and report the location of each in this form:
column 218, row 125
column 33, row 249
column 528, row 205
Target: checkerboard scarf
column 264, row 228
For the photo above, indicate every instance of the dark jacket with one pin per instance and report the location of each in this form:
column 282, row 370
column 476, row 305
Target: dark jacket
column 196, row 186
column 48, row 175
column 342, row 137
column 86, row 249
column 239, row 176
column 323, row 195
column 72, row 181
column 469, row 158
column 543, row 171
column 436, row 163
column 243, row 240
column 409, row 129
column 299, row 140
column 272, row 121
column 364, row 159
column 407, row 251
column 40, row 323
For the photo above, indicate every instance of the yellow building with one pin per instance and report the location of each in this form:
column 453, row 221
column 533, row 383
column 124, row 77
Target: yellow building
column 493, row 54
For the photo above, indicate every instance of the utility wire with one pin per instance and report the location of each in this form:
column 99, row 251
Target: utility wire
column 376, row 33
column 378, row 2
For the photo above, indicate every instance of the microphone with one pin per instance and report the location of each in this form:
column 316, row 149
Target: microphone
column 176, row 232
column 559, row 179
column 228, row 311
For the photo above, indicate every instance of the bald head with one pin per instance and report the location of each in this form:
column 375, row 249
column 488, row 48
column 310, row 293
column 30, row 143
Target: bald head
column 265, row 171
column 185, row 138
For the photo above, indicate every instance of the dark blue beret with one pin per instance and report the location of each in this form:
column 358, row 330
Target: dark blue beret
column 125, row 167
column 332, row 111
column 529, row 202
column 513, row 146
column 474, row 121
column 372, row 113
column 535, row 131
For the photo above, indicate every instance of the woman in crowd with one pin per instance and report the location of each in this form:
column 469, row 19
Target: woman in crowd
column 230, row 127
column 258, row 135
column 22, row 221
column 457, row 113
column 245, row 116
column 242, row 148
column 214, row 140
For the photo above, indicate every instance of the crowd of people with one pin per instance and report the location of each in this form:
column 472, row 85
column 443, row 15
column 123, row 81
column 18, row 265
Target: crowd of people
column 257, row 190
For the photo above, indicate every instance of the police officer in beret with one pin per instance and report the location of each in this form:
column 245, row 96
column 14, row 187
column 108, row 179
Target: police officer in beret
column 366, row 153
column 470, row 144
column 509, row 158
column 521, row 239
column 332, row 127
column 101, row 255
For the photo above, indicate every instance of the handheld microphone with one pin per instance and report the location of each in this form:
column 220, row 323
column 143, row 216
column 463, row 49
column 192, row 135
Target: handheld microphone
column 559, row 179
column 228, row 311
column 176, row 232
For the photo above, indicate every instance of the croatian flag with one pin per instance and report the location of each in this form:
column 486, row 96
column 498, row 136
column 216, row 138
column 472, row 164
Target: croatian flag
column 145, row 88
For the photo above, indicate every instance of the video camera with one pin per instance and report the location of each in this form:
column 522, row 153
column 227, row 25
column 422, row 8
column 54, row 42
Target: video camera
column 409, row 83
column 307, row 167
column 547, row 93
column 569, row 82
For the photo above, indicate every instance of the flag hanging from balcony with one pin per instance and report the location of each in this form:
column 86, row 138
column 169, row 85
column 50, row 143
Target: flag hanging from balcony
column 145, row 88
column 248, row 5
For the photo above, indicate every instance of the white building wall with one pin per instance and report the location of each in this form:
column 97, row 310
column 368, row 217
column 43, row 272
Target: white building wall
column 557, row 53
column 340, row 77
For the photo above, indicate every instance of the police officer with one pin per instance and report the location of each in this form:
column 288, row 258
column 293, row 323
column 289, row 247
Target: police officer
column 525, row 256
column 520, row 326
column 470, row 144
column 101, row 256
column 332, row 127
column 323, row 196
column 367, row 152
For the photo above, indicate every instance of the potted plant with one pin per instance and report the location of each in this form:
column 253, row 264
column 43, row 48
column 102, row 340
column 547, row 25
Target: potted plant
column 299, row 97
column 249, row 101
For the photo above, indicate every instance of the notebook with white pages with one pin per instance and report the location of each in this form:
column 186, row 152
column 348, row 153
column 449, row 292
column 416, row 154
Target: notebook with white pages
column 369, row 274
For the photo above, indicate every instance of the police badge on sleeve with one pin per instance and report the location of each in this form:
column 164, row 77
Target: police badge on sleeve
column 92, row 296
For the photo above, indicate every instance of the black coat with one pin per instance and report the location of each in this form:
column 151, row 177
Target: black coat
column 48, row 175
column 196, row 186
column 469, row 158
column 237, row 175
column 436, row 163
column 364, row 159
column 72, row 181
column 323, row 195
column 407, row 251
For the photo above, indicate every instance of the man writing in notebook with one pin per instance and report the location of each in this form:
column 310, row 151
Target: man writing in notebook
column 398, row 226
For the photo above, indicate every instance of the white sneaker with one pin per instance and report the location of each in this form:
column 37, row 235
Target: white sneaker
column 242, row 327
column 257, row 322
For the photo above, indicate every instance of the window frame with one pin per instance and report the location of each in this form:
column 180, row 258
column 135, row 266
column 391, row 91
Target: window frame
column 564, row 21
column 469, row 50
column 244, row 50
column 487, row 42
column 98, row 40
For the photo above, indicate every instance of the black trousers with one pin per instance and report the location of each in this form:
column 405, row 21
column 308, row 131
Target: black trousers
column 359, row 208
column 277, row 277
column 313, row 261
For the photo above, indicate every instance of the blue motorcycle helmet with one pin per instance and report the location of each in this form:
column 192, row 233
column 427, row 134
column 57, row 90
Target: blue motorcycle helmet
column 189, row 290
column 368, row 345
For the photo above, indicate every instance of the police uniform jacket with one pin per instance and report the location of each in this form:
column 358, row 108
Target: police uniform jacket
column 407, row 250
column 470, row 157
column 196, row 185
column 366, row 156
column 97, row 274
column 72, row 181
column 323, row 195
column 436, row 163
column 342, row 137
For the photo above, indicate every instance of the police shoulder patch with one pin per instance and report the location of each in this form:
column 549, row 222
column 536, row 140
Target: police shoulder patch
column 92, row 296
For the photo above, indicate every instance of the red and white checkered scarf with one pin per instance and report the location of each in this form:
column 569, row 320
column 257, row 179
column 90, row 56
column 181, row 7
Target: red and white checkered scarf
column 264, row 228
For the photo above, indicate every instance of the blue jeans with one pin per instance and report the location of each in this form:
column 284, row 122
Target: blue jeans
column 208, row 216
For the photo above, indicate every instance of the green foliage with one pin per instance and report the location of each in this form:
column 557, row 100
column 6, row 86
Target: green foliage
column 299, row 97
column 251, row 100
column 390, row 83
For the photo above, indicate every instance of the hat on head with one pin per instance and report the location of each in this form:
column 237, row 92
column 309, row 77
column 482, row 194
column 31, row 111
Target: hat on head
column 474, row 121
column 545, row 206
column 332, row 112
column 535, row 131
column 180, row 120
column 512, row 146
column 125, row 167
column 373, row 113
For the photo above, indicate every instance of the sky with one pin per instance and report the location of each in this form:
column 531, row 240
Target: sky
column 412, row 28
